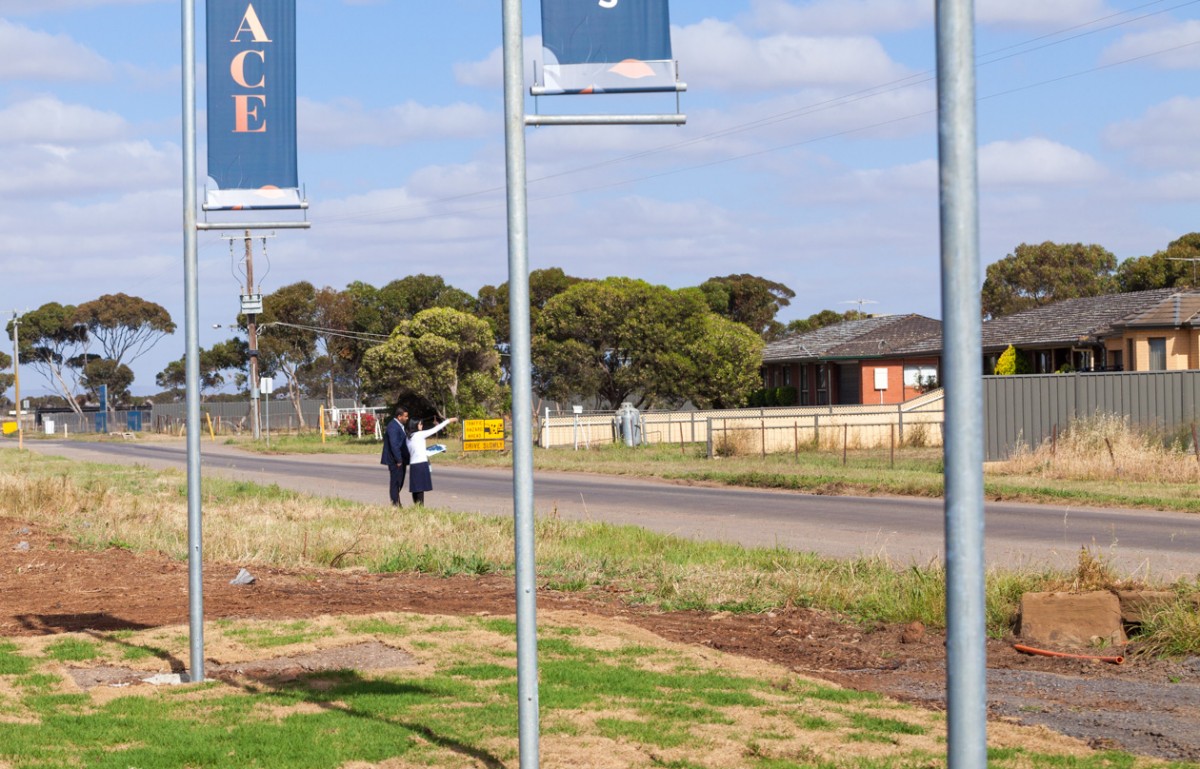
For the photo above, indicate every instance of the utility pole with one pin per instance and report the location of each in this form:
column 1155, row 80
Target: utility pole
column 251, row 307
column 17, row 378
column 252, row 334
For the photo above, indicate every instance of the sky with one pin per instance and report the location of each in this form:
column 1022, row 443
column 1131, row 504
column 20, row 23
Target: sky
column 809, row 156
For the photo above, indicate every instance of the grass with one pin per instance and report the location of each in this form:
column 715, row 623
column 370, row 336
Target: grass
column 606, row 699
column 145, row 510
column 1133, row 469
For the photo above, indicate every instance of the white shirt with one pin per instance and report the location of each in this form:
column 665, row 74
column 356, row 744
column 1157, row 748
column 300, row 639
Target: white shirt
column 416, row 443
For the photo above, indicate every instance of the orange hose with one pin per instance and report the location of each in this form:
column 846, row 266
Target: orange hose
column 1116, row 660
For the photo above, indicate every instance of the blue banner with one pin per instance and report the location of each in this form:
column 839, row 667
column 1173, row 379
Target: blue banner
column 252, row 103
column 594, row 46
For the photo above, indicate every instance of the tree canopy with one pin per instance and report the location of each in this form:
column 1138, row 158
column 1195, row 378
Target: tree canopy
column 223, row 362
column 443, row 360
column 749, row 300
column 620, row 339
column 126, row 327
column 55, row 345
column 1175, row 266
column 1037, row 275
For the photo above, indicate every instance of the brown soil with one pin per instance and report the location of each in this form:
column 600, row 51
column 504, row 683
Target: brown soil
column 1145, row 706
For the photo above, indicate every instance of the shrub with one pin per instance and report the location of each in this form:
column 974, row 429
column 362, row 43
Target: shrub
column 350, row 424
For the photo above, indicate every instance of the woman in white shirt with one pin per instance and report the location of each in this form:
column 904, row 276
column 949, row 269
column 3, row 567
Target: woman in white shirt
column 420, row 479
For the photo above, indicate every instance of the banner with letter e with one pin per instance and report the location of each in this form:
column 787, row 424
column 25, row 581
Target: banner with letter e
column 252, row 104
column 606, row 46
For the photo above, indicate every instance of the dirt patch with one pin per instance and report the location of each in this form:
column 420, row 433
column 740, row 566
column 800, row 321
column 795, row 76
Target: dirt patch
column 1148, row 707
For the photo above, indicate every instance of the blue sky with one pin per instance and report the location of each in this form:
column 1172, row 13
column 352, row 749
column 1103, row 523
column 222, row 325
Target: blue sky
column 809, row 156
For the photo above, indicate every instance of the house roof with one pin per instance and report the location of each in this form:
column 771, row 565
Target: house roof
column 1179, row 309
column 1072, row 321
column 875, row 337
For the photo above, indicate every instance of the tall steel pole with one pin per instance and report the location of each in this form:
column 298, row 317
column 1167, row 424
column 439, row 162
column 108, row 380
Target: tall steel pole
column 522, row 383
column 192, row 336
column 17, row 378
column 966, row 645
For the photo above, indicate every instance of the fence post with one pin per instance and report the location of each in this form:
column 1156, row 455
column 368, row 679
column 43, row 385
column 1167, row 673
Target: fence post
column 763, row 425
column 845, row 442
column 682, row 451
column 892, row 433
column 817, row 432
column 709, row 440
column 796, row 438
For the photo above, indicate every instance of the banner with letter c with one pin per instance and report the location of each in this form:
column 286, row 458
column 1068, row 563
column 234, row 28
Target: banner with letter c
column 252, row 104
column 607, row 46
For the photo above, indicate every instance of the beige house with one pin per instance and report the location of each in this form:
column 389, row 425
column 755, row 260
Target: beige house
column 1157, row 330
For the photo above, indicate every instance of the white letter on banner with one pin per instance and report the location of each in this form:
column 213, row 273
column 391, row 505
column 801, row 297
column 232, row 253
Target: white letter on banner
column 608, row 3
column 251, row 24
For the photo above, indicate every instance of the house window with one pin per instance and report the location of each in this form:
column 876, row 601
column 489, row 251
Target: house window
column 919, row 377
column 822, row 385
column 1045, row 362
column 1158, row 353
column 787, row 376
column 1114, row 360
column 1132, row 364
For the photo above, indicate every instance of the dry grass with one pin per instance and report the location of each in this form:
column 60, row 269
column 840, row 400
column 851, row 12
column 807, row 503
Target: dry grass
column 1106, row 447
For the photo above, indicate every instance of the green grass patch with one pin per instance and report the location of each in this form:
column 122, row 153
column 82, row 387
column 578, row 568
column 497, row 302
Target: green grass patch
column 11, row 661
column 72, row 650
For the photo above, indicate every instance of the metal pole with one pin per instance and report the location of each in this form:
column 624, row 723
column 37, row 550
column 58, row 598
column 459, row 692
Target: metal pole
column 522, row 383
column 192, row 336
column 966, row 650
column 17, row 378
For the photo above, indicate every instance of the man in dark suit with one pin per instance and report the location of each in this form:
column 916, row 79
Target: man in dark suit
column 395, row 453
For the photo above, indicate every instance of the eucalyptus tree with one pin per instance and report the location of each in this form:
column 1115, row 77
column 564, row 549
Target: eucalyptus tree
column 443, row 361
column 620, row 340
column 1038, row 275
column 1178, row 265
column 125, row 327
column 750, row 300
column 55, row 345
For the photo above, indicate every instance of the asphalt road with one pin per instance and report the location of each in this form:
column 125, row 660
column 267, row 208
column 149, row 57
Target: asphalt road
column 906, row 530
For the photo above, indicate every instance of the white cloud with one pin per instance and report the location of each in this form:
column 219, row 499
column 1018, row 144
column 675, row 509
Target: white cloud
column 32, row 55
column 45, row 119
column 347, row 123
column 721, row 56
column 18, row 7
column 60, row 171
column 1040, row 13
column 489, row 72
column 840, row 16
column 1036, row 161
column 1169, row 47
column 1163, row 137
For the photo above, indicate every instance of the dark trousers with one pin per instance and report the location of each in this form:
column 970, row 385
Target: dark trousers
column 396, row 482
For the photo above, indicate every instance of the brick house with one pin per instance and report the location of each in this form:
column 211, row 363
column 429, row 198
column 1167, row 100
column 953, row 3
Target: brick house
column 892, row 358
column 882, row 359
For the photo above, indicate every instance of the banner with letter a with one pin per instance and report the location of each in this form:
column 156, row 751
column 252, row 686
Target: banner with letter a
column 252, row 104
column 606, row 46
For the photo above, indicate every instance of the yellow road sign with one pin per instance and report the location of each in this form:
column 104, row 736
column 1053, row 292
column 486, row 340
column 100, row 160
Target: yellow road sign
column 483, row 430
column 10, row 428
